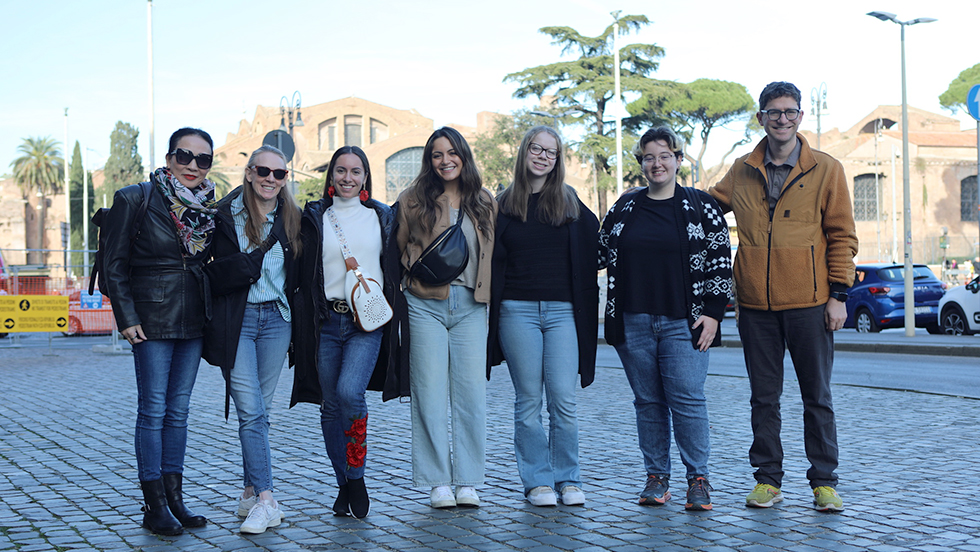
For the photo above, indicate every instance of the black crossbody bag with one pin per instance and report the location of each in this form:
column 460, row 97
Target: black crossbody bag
column 445, row 258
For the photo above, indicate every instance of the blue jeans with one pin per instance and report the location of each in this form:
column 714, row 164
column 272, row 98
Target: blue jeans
column 667, row 375
column 539, row 341
column 345, row 362
column 165, row 373
column 448, row 358
column 262, row 347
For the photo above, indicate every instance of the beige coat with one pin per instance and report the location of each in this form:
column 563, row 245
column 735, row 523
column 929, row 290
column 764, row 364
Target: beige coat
column 412, row 240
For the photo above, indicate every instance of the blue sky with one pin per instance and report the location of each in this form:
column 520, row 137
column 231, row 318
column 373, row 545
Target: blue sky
column 215, row 60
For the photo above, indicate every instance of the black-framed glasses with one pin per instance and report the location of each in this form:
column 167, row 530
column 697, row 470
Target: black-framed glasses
column 263, row 172
column 664, row 158
column 774, row 114
column 184, row 157
column 536, row 149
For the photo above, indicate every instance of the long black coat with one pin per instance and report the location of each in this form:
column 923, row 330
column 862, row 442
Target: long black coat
column 228, row 311
column 312, row 310
column 584, row 244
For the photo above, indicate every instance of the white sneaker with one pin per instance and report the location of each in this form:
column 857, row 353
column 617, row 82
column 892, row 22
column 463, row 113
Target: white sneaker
column 442, row 497
column 466, row 496
column 245, row 506
column 262, row 516
column 572, row 496
column 542, row 496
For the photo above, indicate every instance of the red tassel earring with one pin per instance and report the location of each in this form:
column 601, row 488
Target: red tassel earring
column 330, row 191
column 364, row 195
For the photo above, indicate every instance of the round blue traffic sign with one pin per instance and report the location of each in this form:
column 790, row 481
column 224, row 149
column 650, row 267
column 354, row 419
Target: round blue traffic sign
column 973, row 101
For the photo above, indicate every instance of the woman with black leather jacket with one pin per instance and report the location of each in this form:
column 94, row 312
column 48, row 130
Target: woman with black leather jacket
column 252, row 277
column 336, row 361
column 159, row 300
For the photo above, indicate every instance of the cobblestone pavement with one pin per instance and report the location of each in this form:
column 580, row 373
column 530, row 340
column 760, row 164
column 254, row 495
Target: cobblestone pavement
column 68, row 478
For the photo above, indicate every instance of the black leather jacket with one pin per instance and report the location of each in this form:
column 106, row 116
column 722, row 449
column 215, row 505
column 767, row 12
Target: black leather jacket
column 310, row 305
column 155, row 286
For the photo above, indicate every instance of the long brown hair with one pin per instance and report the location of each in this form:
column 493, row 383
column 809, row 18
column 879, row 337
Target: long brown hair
column 428, row 186
column 558, row 203
column 289, row 210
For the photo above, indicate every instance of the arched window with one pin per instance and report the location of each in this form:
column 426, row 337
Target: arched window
column 379, row 131
column 968, row 199
column 865, row 198
column 352, row 130
column 328, row 134
column 400, row 169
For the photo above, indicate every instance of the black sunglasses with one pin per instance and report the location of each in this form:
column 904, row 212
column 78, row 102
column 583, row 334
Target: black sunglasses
column 263, row 172
column 184, row 157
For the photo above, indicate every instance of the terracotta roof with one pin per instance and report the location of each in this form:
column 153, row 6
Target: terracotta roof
column 938, row 139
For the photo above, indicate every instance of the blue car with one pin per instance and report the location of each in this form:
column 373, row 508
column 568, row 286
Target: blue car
column 877, row 299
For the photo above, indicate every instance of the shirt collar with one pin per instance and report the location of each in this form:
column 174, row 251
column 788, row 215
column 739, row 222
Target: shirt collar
column 238, row 207
column 791, row 161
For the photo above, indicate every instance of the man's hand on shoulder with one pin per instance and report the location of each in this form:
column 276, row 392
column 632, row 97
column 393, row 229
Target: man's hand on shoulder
column 834, row 315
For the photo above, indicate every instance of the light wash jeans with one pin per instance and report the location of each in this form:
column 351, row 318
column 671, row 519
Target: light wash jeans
column 262, row 347
column 345, row 362
column 667, row 375
column 165, row 373
column 448, row 358
column 539, row 341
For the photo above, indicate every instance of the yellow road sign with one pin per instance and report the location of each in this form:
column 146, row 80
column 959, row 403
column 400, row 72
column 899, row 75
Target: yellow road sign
column 33, row 313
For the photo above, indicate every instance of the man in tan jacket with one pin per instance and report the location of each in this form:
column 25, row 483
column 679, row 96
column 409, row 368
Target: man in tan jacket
column 794, row 265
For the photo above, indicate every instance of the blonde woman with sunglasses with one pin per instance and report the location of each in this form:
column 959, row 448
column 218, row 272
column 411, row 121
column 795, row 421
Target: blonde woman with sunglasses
column 249, row 333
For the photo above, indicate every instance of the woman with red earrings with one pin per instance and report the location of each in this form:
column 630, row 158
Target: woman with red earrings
column 335, row 359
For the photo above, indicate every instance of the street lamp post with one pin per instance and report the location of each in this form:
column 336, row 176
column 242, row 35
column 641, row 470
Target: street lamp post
column 818, row 100
column 618, row 104
column 286, row 109
column 909, row 292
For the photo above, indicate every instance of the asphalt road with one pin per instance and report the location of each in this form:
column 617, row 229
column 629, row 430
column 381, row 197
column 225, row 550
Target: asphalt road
column 943, row 375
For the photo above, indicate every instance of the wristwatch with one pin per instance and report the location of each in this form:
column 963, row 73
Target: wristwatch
column 839, row 295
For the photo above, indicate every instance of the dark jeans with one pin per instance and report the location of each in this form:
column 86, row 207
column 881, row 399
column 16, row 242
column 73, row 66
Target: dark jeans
column 766, row 335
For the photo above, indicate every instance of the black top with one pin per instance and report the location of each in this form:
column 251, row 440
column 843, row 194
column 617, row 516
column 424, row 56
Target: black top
column 651, row 272
column 539, row 264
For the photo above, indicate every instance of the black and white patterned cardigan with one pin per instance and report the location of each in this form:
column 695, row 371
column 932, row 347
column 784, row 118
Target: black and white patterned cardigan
column 708, row 283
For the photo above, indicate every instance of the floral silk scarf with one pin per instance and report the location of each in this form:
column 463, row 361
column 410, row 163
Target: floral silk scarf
column 192, row 210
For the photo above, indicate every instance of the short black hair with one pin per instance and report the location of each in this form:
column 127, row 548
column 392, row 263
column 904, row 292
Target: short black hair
column 779, row 89
column 664, row 134
column 188, row 131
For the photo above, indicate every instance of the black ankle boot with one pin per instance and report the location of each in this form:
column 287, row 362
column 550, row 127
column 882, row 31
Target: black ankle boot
column 357, row 495
column 157, row 517
column 172, row 487
column 341, row 507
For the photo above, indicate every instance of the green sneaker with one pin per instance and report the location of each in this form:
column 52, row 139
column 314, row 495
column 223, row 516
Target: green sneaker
column 826, row 499
column 763, row 496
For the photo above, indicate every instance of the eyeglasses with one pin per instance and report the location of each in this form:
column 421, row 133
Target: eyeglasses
column 663, row 158
column 774, row 114
column 536, row 149
column 263, row 172
column 184, row 157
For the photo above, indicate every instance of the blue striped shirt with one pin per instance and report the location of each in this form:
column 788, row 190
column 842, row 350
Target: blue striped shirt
column 271, row 285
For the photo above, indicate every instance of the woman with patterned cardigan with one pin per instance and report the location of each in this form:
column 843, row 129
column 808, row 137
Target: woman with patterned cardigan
column 668, row 262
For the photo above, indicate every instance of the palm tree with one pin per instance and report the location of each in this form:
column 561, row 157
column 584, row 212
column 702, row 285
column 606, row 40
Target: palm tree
column 38, row 172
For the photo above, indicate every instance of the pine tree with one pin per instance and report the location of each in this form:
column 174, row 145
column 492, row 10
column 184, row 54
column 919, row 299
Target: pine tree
column 80, row 217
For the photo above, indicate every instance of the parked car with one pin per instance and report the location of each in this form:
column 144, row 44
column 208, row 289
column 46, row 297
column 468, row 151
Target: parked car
column 90, row 317
column 959, row 309
column 877, row 298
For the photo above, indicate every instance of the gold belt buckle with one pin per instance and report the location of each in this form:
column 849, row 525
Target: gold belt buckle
column 340, row 307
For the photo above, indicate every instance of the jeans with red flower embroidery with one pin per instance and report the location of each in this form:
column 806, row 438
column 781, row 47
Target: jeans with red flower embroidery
column 345, row 361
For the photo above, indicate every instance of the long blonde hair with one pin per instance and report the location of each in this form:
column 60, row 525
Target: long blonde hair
column 289, row 210
column 558, row 203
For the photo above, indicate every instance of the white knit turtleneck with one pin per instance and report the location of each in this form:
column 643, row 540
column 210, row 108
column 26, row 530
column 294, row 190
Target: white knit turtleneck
column 363, row 233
